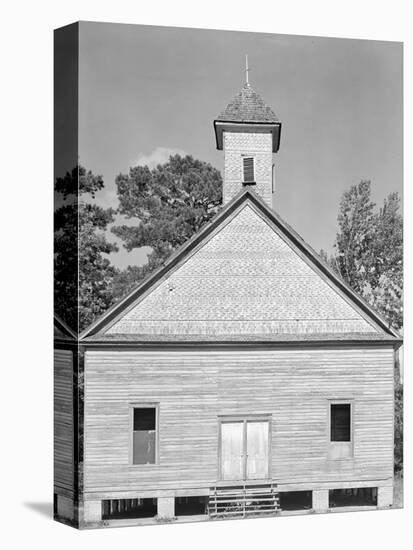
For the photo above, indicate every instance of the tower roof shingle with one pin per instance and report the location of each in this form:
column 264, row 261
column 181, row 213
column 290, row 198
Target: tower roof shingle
column 247, row 106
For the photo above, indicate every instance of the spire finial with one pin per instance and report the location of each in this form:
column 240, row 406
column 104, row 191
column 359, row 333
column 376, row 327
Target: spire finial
column 246, row 71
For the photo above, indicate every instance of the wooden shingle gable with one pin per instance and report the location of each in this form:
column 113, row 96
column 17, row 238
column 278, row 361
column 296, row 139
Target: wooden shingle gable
column 150, row 309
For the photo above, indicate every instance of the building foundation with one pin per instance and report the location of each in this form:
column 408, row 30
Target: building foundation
column 320, row 500
column 166, row 507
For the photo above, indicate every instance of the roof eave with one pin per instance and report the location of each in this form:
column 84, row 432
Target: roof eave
column 93, row 342
column 236, row 125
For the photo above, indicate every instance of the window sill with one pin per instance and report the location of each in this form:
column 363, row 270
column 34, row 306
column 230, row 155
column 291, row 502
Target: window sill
column 340, row 450
column 143, row 465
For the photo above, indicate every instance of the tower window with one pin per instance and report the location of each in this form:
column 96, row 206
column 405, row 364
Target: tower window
column 248, row 166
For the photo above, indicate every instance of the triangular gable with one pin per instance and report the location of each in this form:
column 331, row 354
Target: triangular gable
column 61, row 330
column 246, row 274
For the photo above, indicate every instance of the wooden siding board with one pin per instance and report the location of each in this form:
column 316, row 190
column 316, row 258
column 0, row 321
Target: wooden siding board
column 193, row 388
column 63, row 422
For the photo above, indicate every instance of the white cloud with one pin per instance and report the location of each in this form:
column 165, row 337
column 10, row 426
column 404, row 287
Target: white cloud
column 107, row 197
column 160, row 155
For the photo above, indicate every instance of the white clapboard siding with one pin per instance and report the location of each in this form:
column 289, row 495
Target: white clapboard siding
column 63, row 421
column 193, row 388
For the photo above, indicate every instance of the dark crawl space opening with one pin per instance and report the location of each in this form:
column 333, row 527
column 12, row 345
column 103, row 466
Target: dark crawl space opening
column 362, row 496
column 128, row 508
column 296, row 500
column 190, row 506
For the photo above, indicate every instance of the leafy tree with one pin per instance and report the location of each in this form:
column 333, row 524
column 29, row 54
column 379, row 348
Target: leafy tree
column 384, row 286
column 170, row 202
column 355, row 236
column 79, row 182
column 398, row 421
column 126, row 279
column 66, row 280
column 83, row 276
column 369, row 250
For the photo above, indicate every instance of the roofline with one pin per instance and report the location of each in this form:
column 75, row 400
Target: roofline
column 291, row 234
column 64, row 327
column 249, row 122
column 278, row 124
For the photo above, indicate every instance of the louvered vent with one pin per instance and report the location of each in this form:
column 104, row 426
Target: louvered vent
column 248, row 166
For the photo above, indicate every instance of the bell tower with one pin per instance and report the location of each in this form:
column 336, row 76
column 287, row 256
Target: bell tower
column 248, row 131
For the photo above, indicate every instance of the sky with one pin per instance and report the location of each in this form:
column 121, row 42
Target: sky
column 146, row 92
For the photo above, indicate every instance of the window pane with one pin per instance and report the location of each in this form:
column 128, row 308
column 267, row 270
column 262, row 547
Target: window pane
column 144, row 419
column 232, row 450
column 340, row 422
column 257, row 450
column 144, row 445
column 144, row 435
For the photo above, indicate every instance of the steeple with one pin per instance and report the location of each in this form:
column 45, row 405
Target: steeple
column 248, row 131
column 248, row 107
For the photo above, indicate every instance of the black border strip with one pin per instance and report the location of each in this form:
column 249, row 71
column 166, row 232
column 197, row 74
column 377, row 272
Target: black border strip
column 216, row 345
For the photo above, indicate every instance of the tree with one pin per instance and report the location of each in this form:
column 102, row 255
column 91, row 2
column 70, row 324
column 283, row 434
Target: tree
column 83, row 276
column 384, row 287
column 126, row 279
column 355, row 236
column 369, row 250
column 398, row 420
column 170, row 203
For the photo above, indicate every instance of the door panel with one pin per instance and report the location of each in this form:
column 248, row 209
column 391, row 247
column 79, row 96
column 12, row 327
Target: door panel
column 232, row 444
column 257, row 450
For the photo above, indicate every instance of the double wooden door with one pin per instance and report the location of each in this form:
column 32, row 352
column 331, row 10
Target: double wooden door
column 245, row 449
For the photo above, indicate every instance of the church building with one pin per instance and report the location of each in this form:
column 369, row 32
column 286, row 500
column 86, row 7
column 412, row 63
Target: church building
column 243, row 378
